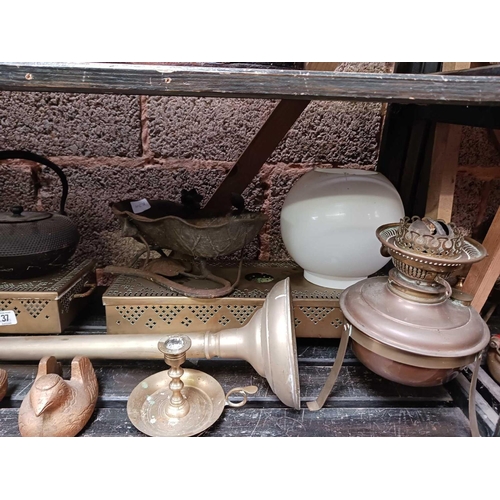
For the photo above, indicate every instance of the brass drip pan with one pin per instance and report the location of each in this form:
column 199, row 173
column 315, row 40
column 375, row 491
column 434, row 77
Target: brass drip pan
column 147, row 404
column 135, row 305
column 47, row 304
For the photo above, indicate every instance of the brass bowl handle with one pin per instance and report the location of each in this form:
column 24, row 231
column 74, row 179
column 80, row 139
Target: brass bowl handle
column 91, row 288
column 250, row 389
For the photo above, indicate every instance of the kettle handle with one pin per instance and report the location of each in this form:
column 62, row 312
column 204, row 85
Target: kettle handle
column 27, row 155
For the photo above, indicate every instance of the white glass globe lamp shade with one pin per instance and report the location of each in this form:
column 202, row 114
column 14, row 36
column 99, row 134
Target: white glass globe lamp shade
column 328, row 224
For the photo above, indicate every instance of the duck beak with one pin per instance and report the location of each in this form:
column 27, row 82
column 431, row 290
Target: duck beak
column 41, row 406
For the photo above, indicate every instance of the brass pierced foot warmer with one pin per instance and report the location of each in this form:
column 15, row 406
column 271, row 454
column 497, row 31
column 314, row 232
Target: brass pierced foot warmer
column 47, row 304
column 179, row 402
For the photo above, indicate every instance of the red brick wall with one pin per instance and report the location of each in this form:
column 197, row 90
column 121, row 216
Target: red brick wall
column 471, row 191
column 114, row 147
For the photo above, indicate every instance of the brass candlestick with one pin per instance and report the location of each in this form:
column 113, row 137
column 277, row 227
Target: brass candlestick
column 179, row 402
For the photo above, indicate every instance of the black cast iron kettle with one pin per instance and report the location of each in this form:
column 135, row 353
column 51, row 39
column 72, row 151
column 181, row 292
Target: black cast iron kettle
column 33, row 244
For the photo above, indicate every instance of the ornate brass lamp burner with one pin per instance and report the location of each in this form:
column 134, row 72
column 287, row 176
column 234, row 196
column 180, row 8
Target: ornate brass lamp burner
column 179, row 402
column 412, row 327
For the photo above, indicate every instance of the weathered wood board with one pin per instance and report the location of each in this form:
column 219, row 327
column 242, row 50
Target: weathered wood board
column 281, row 422
column 253, row 83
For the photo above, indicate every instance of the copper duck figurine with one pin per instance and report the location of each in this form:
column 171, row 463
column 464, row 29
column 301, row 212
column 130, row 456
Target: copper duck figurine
column 3, row 383
column 55, row 407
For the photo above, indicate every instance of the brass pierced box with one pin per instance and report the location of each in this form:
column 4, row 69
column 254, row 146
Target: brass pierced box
column 135, row 305
column 47, row 304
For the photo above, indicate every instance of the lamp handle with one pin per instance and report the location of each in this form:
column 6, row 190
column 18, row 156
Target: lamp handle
column 472, row 399
column 447, row 286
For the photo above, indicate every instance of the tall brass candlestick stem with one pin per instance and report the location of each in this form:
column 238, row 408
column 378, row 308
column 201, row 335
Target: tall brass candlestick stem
column 174, row 350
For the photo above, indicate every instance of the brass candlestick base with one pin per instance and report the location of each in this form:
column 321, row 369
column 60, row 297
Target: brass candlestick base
column 179, row 402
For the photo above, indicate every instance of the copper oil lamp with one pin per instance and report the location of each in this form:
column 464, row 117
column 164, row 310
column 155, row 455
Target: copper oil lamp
column 412, row 327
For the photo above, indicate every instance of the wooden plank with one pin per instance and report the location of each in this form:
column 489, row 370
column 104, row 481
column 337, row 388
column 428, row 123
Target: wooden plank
column 321, row 66
column 254, row 83
column 355, row 386
column 477, row 69
column 443, row 174
column 492, row 387
column 487, row 417
column 405, row 146
column 444, row 162
column 481, row 173
column 258, row 151
column 483, row 275
column 473, row 116
column 455, row 66
column 495, row 137
column 281, row 422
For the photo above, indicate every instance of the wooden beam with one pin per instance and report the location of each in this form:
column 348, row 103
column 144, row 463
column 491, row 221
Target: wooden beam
column 103, row 78
column 480, row 173
column 444, row 162
column 495, row 138
column 444, row 166
column 473, row 116
column 321, row 66
column 477, row 69
column 456, row 66
column 258, row 151
column 404, row 149
column 483, row 275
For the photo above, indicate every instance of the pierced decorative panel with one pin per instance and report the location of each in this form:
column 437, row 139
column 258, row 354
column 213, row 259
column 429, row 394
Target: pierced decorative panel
column 167, row 313
column 34, row 307
column 316, row 309
column 315, row 314
column 131, row 313
column 204, row 313
column 242, row 313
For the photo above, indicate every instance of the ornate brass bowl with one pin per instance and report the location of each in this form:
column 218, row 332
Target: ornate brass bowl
column 196, row 234
column 191, row 235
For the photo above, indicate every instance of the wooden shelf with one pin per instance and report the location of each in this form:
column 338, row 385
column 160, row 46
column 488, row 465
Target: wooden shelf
column 362, row 403
column 251, row 83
